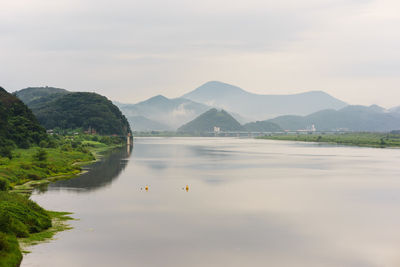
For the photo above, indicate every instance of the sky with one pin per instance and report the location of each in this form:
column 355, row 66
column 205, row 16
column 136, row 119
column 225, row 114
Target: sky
column 131, row 50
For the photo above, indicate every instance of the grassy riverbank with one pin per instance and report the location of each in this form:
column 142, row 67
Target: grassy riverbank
column 352, row 139
column 20, row 218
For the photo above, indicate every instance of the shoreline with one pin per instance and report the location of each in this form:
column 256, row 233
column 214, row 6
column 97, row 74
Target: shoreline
column 27, row 187
column 59, row 219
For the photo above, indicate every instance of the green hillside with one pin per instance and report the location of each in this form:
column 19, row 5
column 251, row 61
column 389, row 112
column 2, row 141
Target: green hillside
column 18, row 125
column 82, row 110
column 206, row 122
column 59, row 108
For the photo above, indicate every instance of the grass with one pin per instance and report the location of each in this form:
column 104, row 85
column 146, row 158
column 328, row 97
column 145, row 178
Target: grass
column 380, row 140
column 10, row 254
column 29, row 168
column 59, row 224
column 23, row 167
column 24, row 172
column 23, row 219
column 19, row 217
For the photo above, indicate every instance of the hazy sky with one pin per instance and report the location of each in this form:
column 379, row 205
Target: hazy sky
column 131, row 50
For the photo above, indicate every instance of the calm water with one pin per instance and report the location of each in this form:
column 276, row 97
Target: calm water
column 250, row 203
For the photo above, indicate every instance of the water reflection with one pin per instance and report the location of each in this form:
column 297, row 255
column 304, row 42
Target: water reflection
column 100, row 174
column 230, row 202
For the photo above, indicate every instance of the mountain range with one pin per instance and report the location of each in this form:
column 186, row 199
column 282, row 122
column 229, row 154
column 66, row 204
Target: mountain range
column 224, row 121
column 161, row 113
column 351, row 118
column 253, row 112
column 261, row 107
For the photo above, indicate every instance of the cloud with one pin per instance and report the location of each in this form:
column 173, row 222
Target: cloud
column 130, row 50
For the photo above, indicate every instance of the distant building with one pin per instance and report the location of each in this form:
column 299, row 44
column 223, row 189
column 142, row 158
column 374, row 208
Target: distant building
column 313, row 129
column 90, row 131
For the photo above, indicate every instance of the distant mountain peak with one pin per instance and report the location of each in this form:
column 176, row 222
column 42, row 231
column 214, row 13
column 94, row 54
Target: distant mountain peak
column 215, row 88
column 158, row 99
column 261, row 106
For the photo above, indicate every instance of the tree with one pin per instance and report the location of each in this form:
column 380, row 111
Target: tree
column 40, row 155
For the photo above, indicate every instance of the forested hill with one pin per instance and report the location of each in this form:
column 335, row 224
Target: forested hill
column 18, row 125
column 206, row 122
column 80, row 110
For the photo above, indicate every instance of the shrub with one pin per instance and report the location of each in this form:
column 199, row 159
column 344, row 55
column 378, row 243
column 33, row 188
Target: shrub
column 5, row 151
column 40, row 155
column 43, row 144
column 66, row 147
column 21, row 216
column 4, row 185
column 4, row 244
column 10, row 254
column 33, row 176
column 26, row 166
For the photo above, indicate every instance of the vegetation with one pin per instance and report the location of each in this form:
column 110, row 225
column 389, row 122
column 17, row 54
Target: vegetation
column 18, row 126
column 83, row 110
column 60, row 160
column 10, row 254
column 59, row 223
column 28, row 157
column 36, row 96
column 19, row 217
column 58, row 108
column 206, row 122
column 354, row 139
column 57, row 158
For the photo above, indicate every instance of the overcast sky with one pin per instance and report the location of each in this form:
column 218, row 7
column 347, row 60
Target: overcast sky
column 131, row 50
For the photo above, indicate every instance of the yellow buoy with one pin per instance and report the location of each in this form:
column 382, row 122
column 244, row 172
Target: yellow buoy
column 187, row 188
column 147, row 188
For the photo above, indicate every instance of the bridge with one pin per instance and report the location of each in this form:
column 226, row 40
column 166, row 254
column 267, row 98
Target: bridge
column 255, row 134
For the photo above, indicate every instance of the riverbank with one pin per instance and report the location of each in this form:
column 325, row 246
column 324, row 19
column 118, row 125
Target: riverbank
column 24, row 223
column 377, row 140
column 76, row 163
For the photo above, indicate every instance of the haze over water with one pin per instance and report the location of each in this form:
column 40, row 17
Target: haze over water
column 250, row 203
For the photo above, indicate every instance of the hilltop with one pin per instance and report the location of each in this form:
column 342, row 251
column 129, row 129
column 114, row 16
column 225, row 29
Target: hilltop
column 58, row 108
column 206, row 122
column 36, row 95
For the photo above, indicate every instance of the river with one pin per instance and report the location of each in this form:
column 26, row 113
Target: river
column 249, row 203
